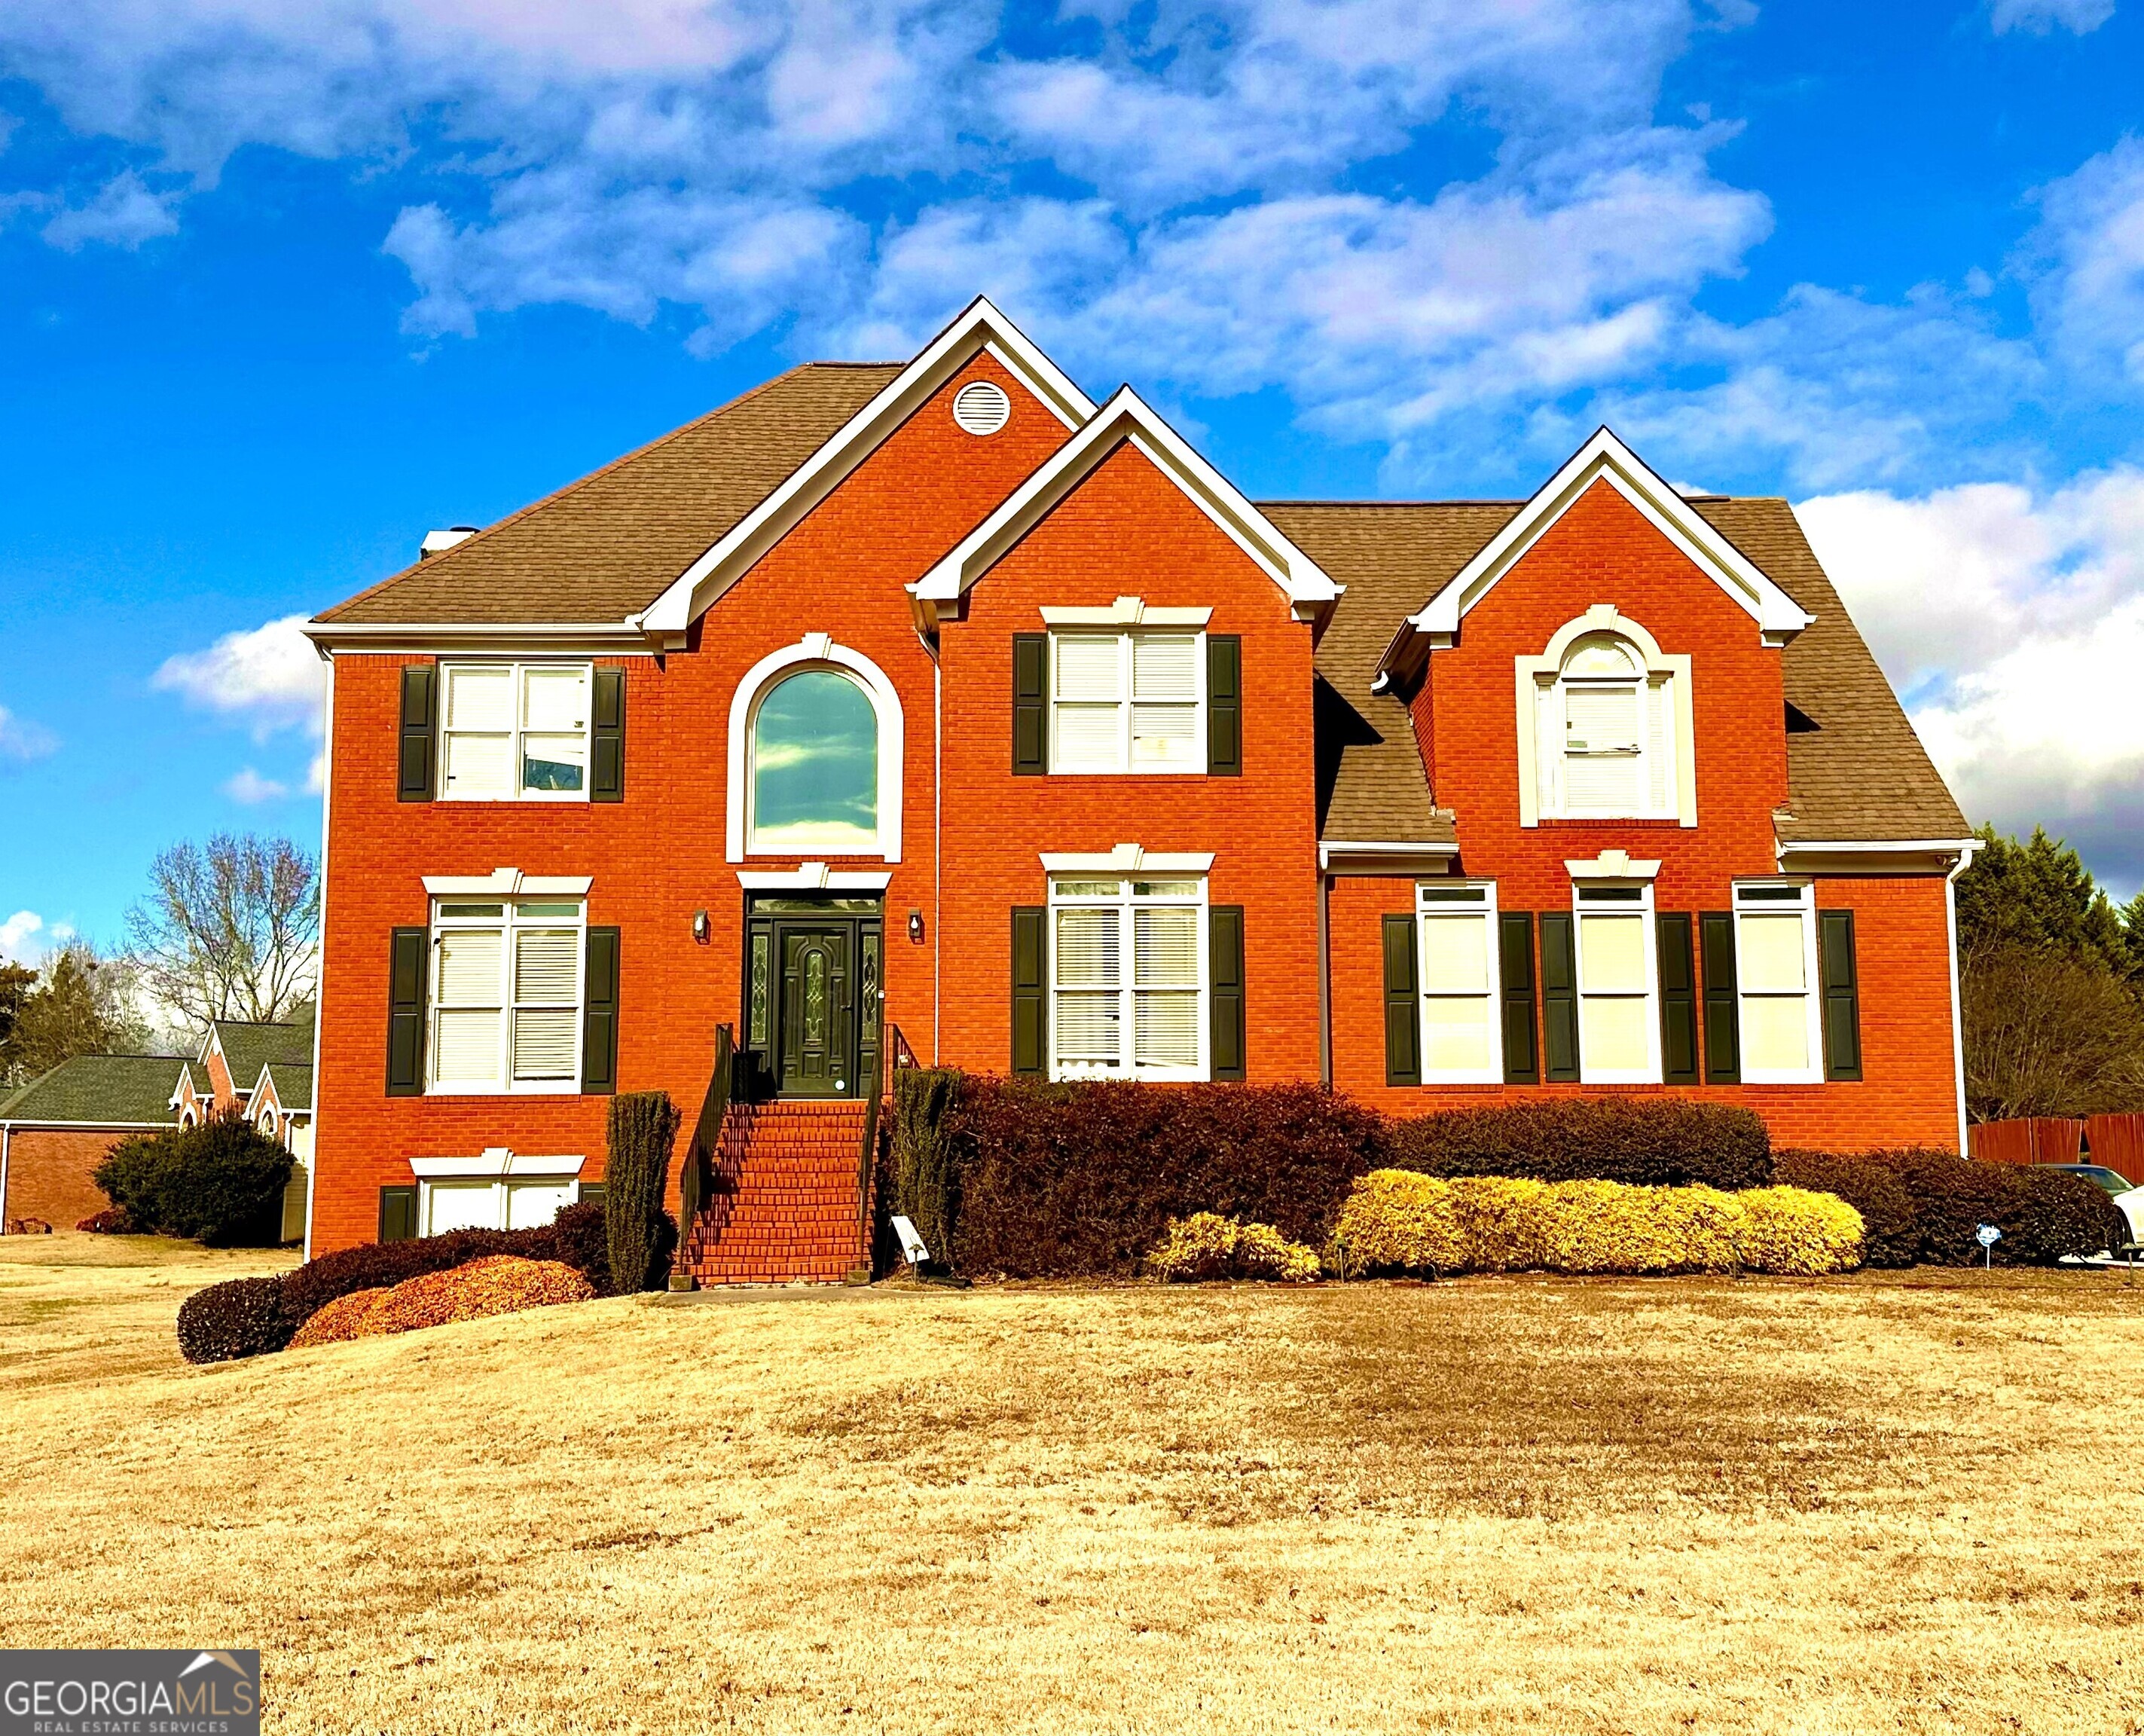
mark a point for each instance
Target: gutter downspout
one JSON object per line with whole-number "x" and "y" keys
{"x": 937, "y": 845}
{"x": 1324, "y": 977}
{"x": 320, "y": 975}
{"x": 1957, "y": 1010}
{"x": 7, "y": 1135}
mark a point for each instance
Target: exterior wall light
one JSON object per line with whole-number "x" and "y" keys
{"x": 700, "y": 926}
{"x": 915, "y": 927}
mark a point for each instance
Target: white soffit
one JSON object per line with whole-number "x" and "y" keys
{"x": 980, "y": 327}
{"x": 1127, "y": 417}
{"x": 1605, "y": 458}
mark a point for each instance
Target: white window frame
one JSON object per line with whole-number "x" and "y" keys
{"x": 1125, "y": 901}
{"x": 814, "y": 649}
{"x": 1126, "y": 701}
{"x": 1769, "y": 900}
{"x": 519, "y": 671}
{"x": 447, "y": 919}
{"x": 500, "y": 1171}
{"x": 1663, "y": 682}
{"x": 1445, "y": 899}
{"x": 1612, "y": 897}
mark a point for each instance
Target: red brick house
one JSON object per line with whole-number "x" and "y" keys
{"x": 933, "y": 708}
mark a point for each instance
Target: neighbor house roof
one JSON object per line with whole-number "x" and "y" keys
{"x": 607, "y": 546}
{"x": 1859, "y": 775}
{"x": 293, "y": 1083}
{"x": 97, "y": 1091}
{"x": 248, "y": 1048}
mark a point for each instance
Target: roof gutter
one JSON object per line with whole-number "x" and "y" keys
{"x": 619, "y": 638}
{"x": 1350, "y": 856}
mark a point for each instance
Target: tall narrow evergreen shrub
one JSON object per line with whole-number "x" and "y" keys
{"x": 643, "y": 1126}
{"x": 926, "y": 1181}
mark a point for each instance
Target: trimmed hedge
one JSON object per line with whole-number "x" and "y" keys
{"x": 221, "y": 1183}
{"x": 1081, "y": 1180}
{"x": 1643, "y": 1141}
{"x": 2044, "y": 1215}
{"x": 644, "y": 1127}
{"x": 1875, "y": 1186}
{"x": 924, "y": 1186}
{"x": 497, "y": 1284}
{"x": 240, "y": 1317}
{"x": 1400, "y": 1220}
{"x": 1205, "y": 1246}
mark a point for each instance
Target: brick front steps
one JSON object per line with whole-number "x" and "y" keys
{"x": 784, "y": 1206}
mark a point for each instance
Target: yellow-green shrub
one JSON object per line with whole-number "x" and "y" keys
{"x": 1397, "y": 1220}
{"x": 1206, "y": 1245}
{"x": 1797, "y": 1233}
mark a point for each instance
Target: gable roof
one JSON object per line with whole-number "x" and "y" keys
{"x": 1860, "y": 776}
{"x": 1604, "y": 458}
{"x": 292, "y": 1084}
{"x": 1128, "y": 418}
{"x": 606, "y": 547}
{"x": 98, "y": 1090}
{"x": 247, "y": 1048}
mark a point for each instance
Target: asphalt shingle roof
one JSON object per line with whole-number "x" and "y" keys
{"x": 247, "y": 1048}
{"x": 99, "y": 1090}
{"x": 294, "y": 1083}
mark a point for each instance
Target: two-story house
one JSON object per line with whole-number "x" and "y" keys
{"x": 932, "y": 707}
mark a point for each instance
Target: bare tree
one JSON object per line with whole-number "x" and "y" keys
{"x": 230, "y": 932}
{"x": 2048, "y": 1034}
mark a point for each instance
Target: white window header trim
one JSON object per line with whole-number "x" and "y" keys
{"x": 1125, "y": 612}
{"x": 1128, "y": 858}
{"x": 1612, "y": 865}
{"x": 493, "y": 1161}
{"x": 509, "y": 882}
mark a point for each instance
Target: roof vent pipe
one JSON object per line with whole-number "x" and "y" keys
{"x": 438, "y": 542}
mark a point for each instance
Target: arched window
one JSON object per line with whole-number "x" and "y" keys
{"x": 1604, "y": 718}
{"x": 815, "y": 754}
{"x": 815, "y": 766}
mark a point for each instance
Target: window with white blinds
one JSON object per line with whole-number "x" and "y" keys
{"x": 455, "y": 1204}
{"x": 1775, "y": 976}
{"x": 1128, "y": 702}
{"x": 512, "y": 731}
{"x": 506, "y": 994}
{"x": 1606, "y": 736}
{"x": 1462, "y": 1043}
{"x": 1619, "y": 1026}
{"x": 1128, "y": 978}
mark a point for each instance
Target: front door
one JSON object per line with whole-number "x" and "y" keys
{"x": 817, "y": 1017}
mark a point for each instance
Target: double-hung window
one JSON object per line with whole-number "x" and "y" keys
{"x": 1127, "y": 702}
{"x": 507, "y": 994}
{"x": 1606, "y": 736}
{"x": 487, "y": 1205}
{"x": 1128, "y": 978}
{"x": 513, "y": 731}
{"x": 1460, "y": 1041}
{"x": 1619, "y": 1026}
{"x": 1775, "y": 975}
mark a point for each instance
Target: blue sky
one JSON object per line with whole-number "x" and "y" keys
{"x": 285, "y": 286}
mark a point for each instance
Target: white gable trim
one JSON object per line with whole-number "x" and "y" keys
{"x": 980, "y": 327}
{"x": 1127, "y": 417}
{"x": 1605, "y": 458}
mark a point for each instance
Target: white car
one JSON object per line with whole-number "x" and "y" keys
{"x": 2130, "y": 1200}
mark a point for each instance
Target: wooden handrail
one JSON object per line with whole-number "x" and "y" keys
{"x": 703, "y": 1156}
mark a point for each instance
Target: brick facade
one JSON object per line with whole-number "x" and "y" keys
{"x": 48, "y": 1173}
{"x": 973, "y": 832}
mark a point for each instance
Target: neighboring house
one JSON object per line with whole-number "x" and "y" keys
{"x": 58, "y": 1128}
{"x": 932, "y": 707}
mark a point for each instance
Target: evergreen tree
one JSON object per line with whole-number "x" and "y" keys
{"x": 79, "y": 1009}
{"x": 2039, "y": 896}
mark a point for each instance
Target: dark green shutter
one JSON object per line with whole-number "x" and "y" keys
{"x": 1403, "y": 1004}
{"x": 1030, "y": 687}
{"x": 1841, "y": 994}
{"x": 1224, "y": 705}
{"x": 1678, "y": 999}
{"x": 1723, "y": 1014}
{"x": 1516, "y": 953}
{"x": 1559, "y": 980}
{"x": 398, "y": 1214}
{"x": 420, "y": 692}
{"x": 599, "y": 1014}
{"x": 606, "y": 771}
{"x": 1224, "y": 963}
{"x": 409, "y": 954}
{"x": 1031, "y": 991}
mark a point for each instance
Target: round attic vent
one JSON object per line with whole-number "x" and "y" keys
{"x": 981, "y": 407}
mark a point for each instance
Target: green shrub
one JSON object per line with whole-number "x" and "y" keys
{"x": 1205, "y": 1246}
{"x": 242, "y": 1317}
{"x": 1080, "y": 1180}
{"x": 1397, "y": 1220}
{"x": 644, "y": 1127}
{"x": 1644, "y": 1141}
{"x": 1927, "y": 1206}
{"x": 926, "y": 1181}
{"x": 221, "y": 1182}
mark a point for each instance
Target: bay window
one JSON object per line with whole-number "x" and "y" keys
{"x": 1127, "y": 702}
{"x": 507, "y": 994}
{"x": 512, "y": 731}
{"x": 1618, "y": 1027}
{"x": 1775, "y": 972}
{"x": 1128, "y": 978}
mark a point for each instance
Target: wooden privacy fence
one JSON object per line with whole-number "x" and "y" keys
{"x": 2116, "y": 1141}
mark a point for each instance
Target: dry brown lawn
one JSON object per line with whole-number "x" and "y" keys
{"x": 1881, "y": 1505}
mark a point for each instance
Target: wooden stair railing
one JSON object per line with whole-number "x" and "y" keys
{"x": 703, "y": 1156}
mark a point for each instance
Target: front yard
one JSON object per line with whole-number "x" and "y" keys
{"x": 1901, "y": 1502}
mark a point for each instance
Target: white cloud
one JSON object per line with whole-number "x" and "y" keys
{"x": 17, "y": 942}
{"x": 125, "y": 213}
{"x": 2089, "y": 250}
{"x": 2015, "y": 625}
{"x": 21, "y": 740}
{"x": 268, "y": 676}
{"x": 249, "y": 787}
{"x": 2039, "y": 17}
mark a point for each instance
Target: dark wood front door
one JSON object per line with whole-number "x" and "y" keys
{"x": 817, "y": 1017}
